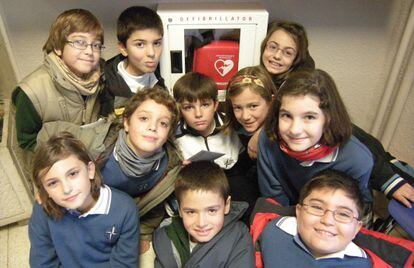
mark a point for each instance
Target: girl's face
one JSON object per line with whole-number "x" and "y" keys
{"x": 250, "y": 109}
{"x": 148, "y": 127}
{"x": 81, "y": 61}
{"x": 301, "y": 121}
{"x": 68, "y": 183}
{"x": 279, "y": 53}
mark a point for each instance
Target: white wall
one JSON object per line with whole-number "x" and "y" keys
{"x": 353, "y": 40}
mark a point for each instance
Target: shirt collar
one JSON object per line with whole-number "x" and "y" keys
{"x": 326, "y": 159}
{"x": 102, "y": 205}
{"x": 289, "y": 225}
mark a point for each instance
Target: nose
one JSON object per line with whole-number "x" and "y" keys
{"x": 88, "y": 50}
{"x": 201, "y": 222}
{"x": 66, "y": 187}
{"x": 296, "y": 127}
{"x": 245, "y": 115}
{"x": 152, "y": 126}
{"x": 328, "y": 218}
{"x": 198, "y": 112}
{"x": 150, "y": 51}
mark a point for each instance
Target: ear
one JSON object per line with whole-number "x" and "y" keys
{"x": 227, "y": 205}
{"x": 298, "y": 210}
{"x": 216, "y": 103}
{"x": 122, "y": 49}
{"x": 357, "y": 228}
{"x": 58, "y": 52}
{"x": 126, "y": 125}
{"x": 91, "y": 170}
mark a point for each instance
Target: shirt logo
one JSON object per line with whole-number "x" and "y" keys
{"x": 111, "y": 233}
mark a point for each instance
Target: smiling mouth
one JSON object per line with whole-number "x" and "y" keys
{"x": 203, "y": 232}
{"x": 71, "y": 198}
{"x": 325, "y": 233}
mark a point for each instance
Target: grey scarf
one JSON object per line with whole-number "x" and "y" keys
{"x": 131, "y": 164}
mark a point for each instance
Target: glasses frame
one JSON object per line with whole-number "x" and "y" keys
{"x": 334, "y": 213}
{"x": 284, "y": 50}
{"x": 76, "y": 45}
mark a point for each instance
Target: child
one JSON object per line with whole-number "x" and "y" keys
{"x": 284, "y": 51}
{"x": 142, "y": 163}
{"x": 62, "y": 93}
{"x": 328, "y": 217}
{"x": 249, "y": 94}
{"x": 207, "y": 233}
{"x": 201, "y": 129}
{"x": 308, "y": 130}
{"x": 139, "y": 33}
{"x": 80, "y": 221}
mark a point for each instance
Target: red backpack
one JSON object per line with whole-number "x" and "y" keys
{"x": 384, "y": 250}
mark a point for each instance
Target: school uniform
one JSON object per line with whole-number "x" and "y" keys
{"x": 105, "y": 236}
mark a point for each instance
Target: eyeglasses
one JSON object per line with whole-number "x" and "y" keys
{"x": 286, "y": 52}
{"x": 82, "y": 45}
{"x": 341, "y": 215}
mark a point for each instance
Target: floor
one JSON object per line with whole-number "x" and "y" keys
{"x": 14, "y": 246}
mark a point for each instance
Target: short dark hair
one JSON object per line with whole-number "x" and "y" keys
{"x": 59, "y": 147}
{"x": 195, "y": 86}
{"x": 297, "y": 32}
{"x": 137, "y": 18}
{"x": 335, "y": 180}
{"x": 338, "y": 127}
{"x": 160, "y": 96}
{"x": 202, "y": 176}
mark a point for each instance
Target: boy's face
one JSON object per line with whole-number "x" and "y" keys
{"x": 148, "y": 127}
{"x": 143, "y": 50}
{"x": 323, "y": 234}
{"x": 68, "y": 183}
{"x": 203, "y": 214}
{"x": 199, "y": 115}
{"x": 80, "y": 62}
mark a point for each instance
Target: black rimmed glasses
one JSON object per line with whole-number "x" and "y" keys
{"x": 82, "y": 45}
{"x": 341, "y": 215}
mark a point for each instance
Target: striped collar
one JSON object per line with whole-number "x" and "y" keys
{"x": 102, "y": 205}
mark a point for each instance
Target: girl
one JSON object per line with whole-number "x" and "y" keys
{"x": 80, "y": 221}
{"x": 249, "y": 94}
{"x": 308, "y": 130}
{"x": 142, "y": 163}
{"x": 62, "y": 93}
{"x": 285, "y": 49}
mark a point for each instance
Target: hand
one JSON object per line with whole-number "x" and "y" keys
{"x": 252, "y": 145}
{"x": 405, "y": 194}
{"x": 185, "y": 162}
{"x": 144, "y": 246}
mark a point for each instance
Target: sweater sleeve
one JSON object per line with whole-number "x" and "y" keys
{"x": 42, "y": 250}
{"x": 126, "y": 251}
{"x": 383, "y": 178}
{"x": 28, "y": 121}
{"x": 269, "y": 184}
{"x": 242, "y": 254}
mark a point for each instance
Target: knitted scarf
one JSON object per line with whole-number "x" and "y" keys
{"x": 60, "y": 71}
{"x": 179, "y": 236}
{"x": 131, "y": 164}
{"x": 311, "y": 154}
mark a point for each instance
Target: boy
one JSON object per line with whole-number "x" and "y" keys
{"x": 328, "y": 217}
{"x": 201, "y": 129}
{"x": 139, "y": 32}
{"x": 207, "y": 233}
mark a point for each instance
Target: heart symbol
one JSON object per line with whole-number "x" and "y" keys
{"x": 223, "y": 67}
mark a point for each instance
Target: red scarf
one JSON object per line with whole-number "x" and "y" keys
{"x": 313, "y": 153}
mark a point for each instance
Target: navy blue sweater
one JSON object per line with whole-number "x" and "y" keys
{"x": 282, "y": 177}
{"x": 99, "y": 240}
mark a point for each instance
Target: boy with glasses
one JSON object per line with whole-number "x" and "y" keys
{"x": 328, "y": 217}
{"x": 62, "y": 94}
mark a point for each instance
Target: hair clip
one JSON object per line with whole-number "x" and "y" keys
{"x": 248, "y": 79}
